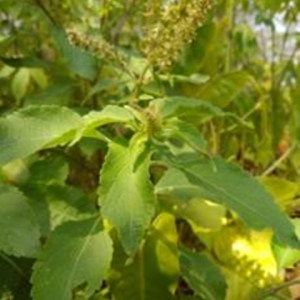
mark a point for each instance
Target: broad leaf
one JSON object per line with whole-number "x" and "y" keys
{"x": 67, "y": 203}
{"x": 18, "y": 226}
{"x": 78, "y": 61}
{"x": 177, "y": 106}
{"x": 154, "y": 271}
{"x": 76, "y": 253}
{"x": 202, "y": 275}
{"x": 56, "y": 204}
{"x": 187, "y": 133}
{"x": 126, "y": 195}
{"x": 110, "y": 114}
{"x": 226, "y": 184}
{"x": 33, "y": 128}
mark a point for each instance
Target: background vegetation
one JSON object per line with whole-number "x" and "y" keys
{"x": 163, "y": 99}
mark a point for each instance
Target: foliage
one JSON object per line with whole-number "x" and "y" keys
{"x": 131, "y": 133}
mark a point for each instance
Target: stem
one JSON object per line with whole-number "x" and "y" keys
{"x": 273, "y": 291}
{"x": 46, "y": 12}
{"x": 139, "y": 82}
{"x": 126, "y": 16}
{"x": 230, "y": 14}
{"x": 283, "y": 157}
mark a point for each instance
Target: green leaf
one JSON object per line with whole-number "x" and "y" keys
{"x": 177, "y": 106}
{"x": 27, "y": 62}
{"x": 6, "y": 71}
{"x": 76, "y": 253}
{"x": 67, "y": 203}
{"x": 222, "y": 90}
{"x": 110, "y": 114}
{"x": 187, "y": 133}
{"x": 20, "y": 83}
{"x": 49, "y": 169}
{"x": 286, "y": 256}
{"x": 202, "y": 275}
{"x": 126, "y": 194}
{"x": 154, "y": 271}
{"x": 39, "y": 76}
{"x": 34, "y": 128}
{"x": 80, "y": 62}
{"x": 56, "y": 204}
{"x": 103, "y": 85}
{"x": 202, "y": 215}
{"x": 281, "y": 189}
{"x": 238, "y": 287}
{"x": 226, "y": 184}
{"x": 18, "y": 226}
{"x": 197, "y": 79}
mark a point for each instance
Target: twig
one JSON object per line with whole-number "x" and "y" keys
{"x": 46, "y": 12}
{"x": 273, "y": 291}
{"x": 283, "y": 157}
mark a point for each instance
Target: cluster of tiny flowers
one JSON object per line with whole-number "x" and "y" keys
{"x": 97, "y": 47}
{"x": 176, "y": 27}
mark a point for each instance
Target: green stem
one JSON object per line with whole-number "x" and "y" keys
{"x": 230, "y": 16}
{"x": 280, "y": 160}
{"x": 273, "y": 291}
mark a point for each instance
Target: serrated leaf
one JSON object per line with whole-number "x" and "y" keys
{"x": 286, "y": 256}
{"x": 20, "y": 83}
{"x": 202, "y": 275}
{"x": 177, "y": 106}
{"x": 226, "y": 184}
{"x": 154, "y": 271}
{"x": 76, "y": 253}
{"x": 33, "y": 128}
{"x": 110, "y": 114}
{"x": 126, "y": 194}
{"x": 56, "y": 204}
{"x": 18, "y": 226}
{"x": 67, "y": 203}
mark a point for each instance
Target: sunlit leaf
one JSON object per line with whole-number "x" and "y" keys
{"x": 154, "y": 271}
{"x": 20, "y": 83}
{"x": 226, "y": 184}
{"x": 33, "y": 128}
{"x": 286, "y": 256}
{"x": 126, "y": 195}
